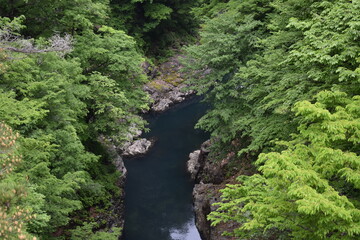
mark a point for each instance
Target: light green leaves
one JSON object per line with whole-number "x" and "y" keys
{"x": 307, "y": 191}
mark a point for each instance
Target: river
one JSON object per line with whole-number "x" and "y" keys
{"x": 158, "y": 200}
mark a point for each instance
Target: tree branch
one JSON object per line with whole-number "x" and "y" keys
{"x": 13, "y": 43}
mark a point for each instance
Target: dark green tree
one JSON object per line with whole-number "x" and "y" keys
{"x": 155, "y": 24}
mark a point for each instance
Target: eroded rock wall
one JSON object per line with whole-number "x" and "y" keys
{"x": 210, "y": 177}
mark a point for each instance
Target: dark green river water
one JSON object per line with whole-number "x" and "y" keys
{"x": 158, "y": 201}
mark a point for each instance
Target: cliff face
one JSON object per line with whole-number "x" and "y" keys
{"x": 208, "y": 177}
{"x": 115, "y": 215}
{"x": 211, "y": 176}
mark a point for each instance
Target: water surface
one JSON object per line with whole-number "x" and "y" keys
{"x": 158, "y": 201}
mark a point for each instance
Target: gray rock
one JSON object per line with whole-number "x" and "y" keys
{"x": 202, "y": 208}
{"x": 134, "y": 131}
{"x": 176, "y": 96}
{"x": 162, "y": 105}
{"x": 210, "y": 171}
{"x": 205, "y": 147}
{"x": 205, "y": 195}
{"x": 117, "y": 208}
{"x": 112, "y": 150}
{"x": 193, "y": 164}
{"x": 167, "y": 88}
{"x": 210, "y": 178}
{"x": 162, "y": 101}
{"x": 137, "y": 147}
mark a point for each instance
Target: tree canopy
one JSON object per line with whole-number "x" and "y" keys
{"x": 74, "y": 80}
{"x": 283, "y": 79}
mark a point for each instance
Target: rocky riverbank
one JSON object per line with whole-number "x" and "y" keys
{"x": 116, "y": 216}
{"x": 166, "y": 89}
{"x": 210, "y": 176}
{"x": 167, "y": 86}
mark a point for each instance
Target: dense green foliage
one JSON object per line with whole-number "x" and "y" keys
{"x": 13, "y": 212}
{"x": 71, "y": 74}
{"x": 52, "y": 121}
{"x": 258, "y": 58}
{"x": 61, "y": 103}
{"x": 275, "y": 67}
{"x": 157, "y": 24}
{"x": 309, "y": 190}
{"x": 275, "y": 71}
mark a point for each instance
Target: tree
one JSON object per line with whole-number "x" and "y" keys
{"x": 156, "y": 25}
{"x": 229, "y": 40}
{"x": 289, "y": 52}
{"x": 11, "y": 41}
{"x": 86, "y": 232}
{"x": 60, "y": 102}
{"x": 112, "y": 69}
{"x": 45, "y": 17}
{"x": 309, "y": 190}
{"x": 13, "y": 215}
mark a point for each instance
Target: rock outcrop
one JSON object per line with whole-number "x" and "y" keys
{"x": 165, "y": 98}
{"x": 115, "y": 156}
{"x": 167, "y": 86}
{"x": 205, "y": 195}
{"x": 116, "y": 218}
{"x": 193, "y": 164}
{"x": 209, "y": 171}
{"x": 202, "y": 208}
{"x": 209, "y": 178}
{"x": 134, "y": 145}
{"x": 137, "y": 147}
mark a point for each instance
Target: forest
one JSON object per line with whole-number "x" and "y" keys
{"x": 282, "y": 78}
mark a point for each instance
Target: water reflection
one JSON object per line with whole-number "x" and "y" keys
{"x": 187, "y": 232}
{"x": 158, "y": 202}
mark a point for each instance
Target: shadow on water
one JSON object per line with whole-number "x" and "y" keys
{"x": 158, "y": 201}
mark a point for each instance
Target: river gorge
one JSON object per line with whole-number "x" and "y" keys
{"x": 158, "y": 190}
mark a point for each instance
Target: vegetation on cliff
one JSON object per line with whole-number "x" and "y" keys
{"x": 69, "y": 74}
{"x": 283, "y": 78}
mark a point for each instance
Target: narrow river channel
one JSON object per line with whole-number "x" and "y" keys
{"x": 158, "y": 201}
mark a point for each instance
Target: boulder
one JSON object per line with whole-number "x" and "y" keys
{"x": 193, "y": 164}
{"x": 137, "y": 147}
{"x": 162, "y": 105}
